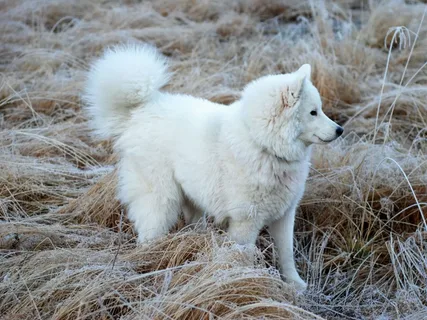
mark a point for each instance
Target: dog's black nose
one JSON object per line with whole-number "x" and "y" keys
{"x": 339, "y": 131}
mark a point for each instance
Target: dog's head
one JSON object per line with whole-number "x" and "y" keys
{"x": 285, "y": 111}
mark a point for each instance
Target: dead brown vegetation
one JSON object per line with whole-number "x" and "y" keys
{"x": 67, "y": 249}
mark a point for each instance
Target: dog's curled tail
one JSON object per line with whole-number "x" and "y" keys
{"x": 125, "y": 77}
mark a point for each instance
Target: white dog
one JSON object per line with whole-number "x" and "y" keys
{"x": 245, "y": 164}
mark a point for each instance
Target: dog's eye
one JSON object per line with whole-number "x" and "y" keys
{"x": 313, "y": 113}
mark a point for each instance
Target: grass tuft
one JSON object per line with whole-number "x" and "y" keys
{"x": 68, "y": 250}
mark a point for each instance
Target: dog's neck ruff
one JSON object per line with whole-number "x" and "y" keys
{"x": 283, "y": 159}
{"x": 290, "y": 154}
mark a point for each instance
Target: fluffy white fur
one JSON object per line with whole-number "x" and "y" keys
{"x": 245, "y": 164}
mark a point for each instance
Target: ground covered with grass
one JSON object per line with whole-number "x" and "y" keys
{"x": 67, "y": 249}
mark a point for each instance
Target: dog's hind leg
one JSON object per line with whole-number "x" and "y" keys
{"x": 153, "y": 215}
{"x": 154, "y": 200}
{"x": 282, "y": 231}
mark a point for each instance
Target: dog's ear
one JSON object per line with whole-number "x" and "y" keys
{"x": 305, "y": 71}
{"x": 292, "y": 93}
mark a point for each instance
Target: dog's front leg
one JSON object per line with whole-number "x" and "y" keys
{"x": 282, "y": 231}
{"x": 243, "y": 231}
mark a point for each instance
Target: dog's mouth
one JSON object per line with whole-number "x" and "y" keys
{"x": 324, "y": 141}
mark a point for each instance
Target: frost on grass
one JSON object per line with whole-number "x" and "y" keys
{"x": 68, "y": 250}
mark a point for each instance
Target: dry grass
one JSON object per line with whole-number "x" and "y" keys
{"x": 67, "y": 249}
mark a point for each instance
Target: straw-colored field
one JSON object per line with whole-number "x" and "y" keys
{"x": 67, "y": 249}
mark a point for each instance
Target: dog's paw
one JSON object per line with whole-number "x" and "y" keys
{"x": 299, "y": 284}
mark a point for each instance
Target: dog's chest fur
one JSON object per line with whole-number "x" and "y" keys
{"x": 264, "y": 194}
